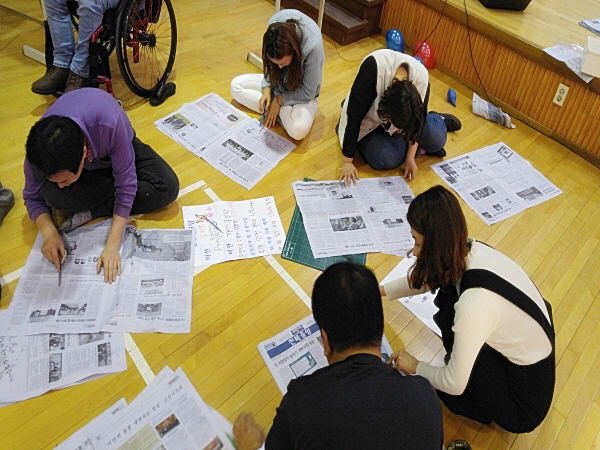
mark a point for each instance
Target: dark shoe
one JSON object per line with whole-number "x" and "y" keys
{"x": 53, "y": 81}
{"x": 7, "y": 201}
{"x": 75, "y": 82}
{"x": 459, "y": 444}
{"x": 440, "y": 153}
{"x": 452, "y": 122}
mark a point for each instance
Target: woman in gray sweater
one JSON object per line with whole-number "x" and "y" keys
{"x": 293, "y": 60}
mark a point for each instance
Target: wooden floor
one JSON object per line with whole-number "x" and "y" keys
{"x": 239, "y": 304}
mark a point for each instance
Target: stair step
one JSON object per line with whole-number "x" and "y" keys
{"x": 332, "y": 16}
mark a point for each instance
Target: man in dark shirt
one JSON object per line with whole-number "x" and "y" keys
{"x": 357, "y": 402}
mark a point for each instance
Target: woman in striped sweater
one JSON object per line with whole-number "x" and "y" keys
{"x": 293, "y": 60}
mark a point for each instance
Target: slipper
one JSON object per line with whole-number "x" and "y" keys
{"x": 459, "y": 444}
{"x": 7, "y": 201}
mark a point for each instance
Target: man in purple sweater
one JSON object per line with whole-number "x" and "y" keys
{"x": 84, "y": 161}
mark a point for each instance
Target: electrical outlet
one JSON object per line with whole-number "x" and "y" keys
{"x": 561, "y": 93}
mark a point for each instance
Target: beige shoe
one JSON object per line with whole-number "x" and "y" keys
{"x": 53, "y": 81}
{"x": 75, "y": 82}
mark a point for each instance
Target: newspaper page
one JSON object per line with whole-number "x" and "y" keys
{"x": 227, "y": 231}
{"x": 34, "y": 365}
{"x": 248, "y": 153}
{"x": 153, "y": 292}
{"x": 226, "y": 138}
{"x": 496, "y": 182}
{"x": 572, "y": 56}
{"x": 82, "y": 438}
{"x": 198, "y": 123}
{"x": 168, "y": 414}
{"x": 420, "y": 305}
{"x": 298, "y": 351}
{"x": 368, "y": 217}
{"x": 40, "y": 305}
{"x": 155, "y": 288}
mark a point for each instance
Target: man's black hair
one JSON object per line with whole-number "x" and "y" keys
{"x": 54, "y": 144}
{"x": 346, "y": 303}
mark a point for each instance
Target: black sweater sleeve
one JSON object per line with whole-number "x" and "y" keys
{"x": 362, "y": 96}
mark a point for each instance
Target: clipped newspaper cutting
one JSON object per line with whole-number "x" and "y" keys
{"x": 226, "y": 138}
{"x": 421, "y": 305}
{"x": 298, "y": 351}
{"x": 153, "y": 293}
{"x": 496, "y": 182}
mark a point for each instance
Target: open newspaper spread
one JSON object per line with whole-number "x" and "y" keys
{"x": 368, "y": 217}
{"x": 226, "y": 138}
{"x": 153, "y": 293}
{"x": 496, "y": 182}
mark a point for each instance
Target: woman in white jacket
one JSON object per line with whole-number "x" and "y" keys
{"x": 496, "y": 327}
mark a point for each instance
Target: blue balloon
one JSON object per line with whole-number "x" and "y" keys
{"x": 451, "y": 96}
{"x": 419, "y": 59}
{"x": 394, "y": 39}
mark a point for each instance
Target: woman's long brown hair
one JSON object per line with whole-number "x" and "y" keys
{"x": 436, "y": 214}
{"x": 280, "y": 40}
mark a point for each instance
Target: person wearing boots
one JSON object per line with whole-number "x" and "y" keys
{"x": 70, "y": 69}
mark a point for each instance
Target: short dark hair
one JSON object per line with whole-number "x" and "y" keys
{"x": 346, "y": 303}
{"x": 54, "y": 144}
{"x": 280, "y": 40}
{"x": 402, "y": 105}
{"x": 437, "y": 215}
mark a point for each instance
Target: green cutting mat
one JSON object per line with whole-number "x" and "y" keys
{"x": 297, "y": 248}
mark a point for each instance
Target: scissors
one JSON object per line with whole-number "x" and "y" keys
{"x": 262, "y": 117}
{"x": 64, "y": 257}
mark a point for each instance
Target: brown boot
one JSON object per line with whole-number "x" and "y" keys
{"x": 54, "y": 80}
{"x": 75, "y": 82}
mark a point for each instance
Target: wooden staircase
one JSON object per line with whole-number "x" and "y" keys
{"x": 344, "y": 21}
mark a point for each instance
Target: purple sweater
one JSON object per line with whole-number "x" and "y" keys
{"x": 109, "y": 135}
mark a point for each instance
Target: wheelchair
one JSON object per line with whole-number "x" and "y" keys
{"x": 144, "y": 34}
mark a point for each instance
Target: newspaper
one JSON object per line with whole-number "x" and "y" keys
{"x": 34, "y": 365}
{"x": 572, "y": 56}
{"x": 227, "y": 231}
{"x": 298, "y": 351}
{"x": 368, "y": 217}
{"x": 153, "y": 293}
{"x": 82, "y": 439}
{"x": 229, "y": 140}
{"x": 168, "y": 414}
{"x": 490, "y": 112}
{"x": 592, "y": 25}
{"x": 496, "y": 182}
{"x": 420, "y": 305}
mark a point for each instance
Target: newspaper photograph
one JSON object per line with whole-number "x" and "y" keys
{"x": 298, "y": 351}
{"x": 153, "y": 292}
{"x": 368, "y": 217}
{"x": 168, "y": 414}
{"x": 226, "y": 231}
{"x": 34, "y": 365}
{"x": 420, "y": 305}
{"x": 496, "y": 182}
{"x": 198, "y": 123}
{"x": 229, "y": 140}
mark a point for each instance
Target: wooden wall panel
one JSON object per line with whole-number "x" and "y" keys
{"x": 521, "y": 83}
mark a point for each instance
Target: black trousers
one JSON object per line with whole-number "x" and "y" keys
{"x": 95, "y": 189}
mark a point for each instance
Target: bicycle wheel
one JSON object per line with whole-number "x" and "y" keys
{"x": 146, "y": 38}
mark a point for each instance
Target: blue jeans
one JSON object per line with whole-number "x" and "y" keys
{"x": 384, "y": 152}
{"x": 68, "y": 54}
